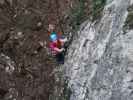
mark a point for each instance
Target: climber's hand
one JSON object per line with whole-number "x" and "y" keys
{"x": 62, "y": 49}
{"x": 66, "y": 39}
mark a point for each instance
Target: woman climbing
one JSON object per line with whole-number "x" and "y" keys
{"x": 56, "y": 44}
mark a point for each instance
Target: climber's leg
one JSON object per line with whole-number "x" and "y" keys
{"x": 60, "y": 58}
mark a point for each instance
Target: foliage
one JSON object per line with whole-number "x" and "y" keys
{"x": 78, "y": 14}
{"x": 97, "y": 9}
{"x": 129, "y": 21}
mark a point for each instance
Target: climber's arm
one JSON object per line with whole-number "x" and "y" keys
{"x": 58, "y": 50}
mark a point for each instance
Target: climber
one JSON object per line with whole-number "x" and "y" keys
{"x": 57, "y": 44}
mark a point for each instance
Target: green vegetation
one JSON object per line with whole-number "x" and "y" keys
{"x": 81, "y": 12}
{"x": 97, "y": 8}
{"x": 129, "y": 20}
{"x": 78, "y": 14}
{"x": 130, "y": 8}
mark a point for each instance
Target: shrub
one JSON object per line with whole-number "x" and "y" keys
{"x": 78, "y": 14}
{"x": 129, "y": 20}
{"x": 97, "y": 8}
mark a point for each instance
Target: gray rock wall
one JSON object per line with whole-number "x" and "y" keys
{"x": 99, "y": 64}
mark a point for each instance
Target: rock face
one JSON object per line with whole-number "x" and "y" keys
{"x": 99, "y": 64}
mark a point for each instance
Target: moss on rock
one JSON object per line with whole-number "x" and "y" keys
{"x": 129, "y": 20}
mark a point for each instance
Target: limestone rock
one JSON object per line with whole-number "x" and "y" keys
{"x": 100, "y": 60}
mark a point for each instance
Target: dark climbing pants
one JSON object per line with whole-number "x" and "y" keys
{"x": 60, "y": 58}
